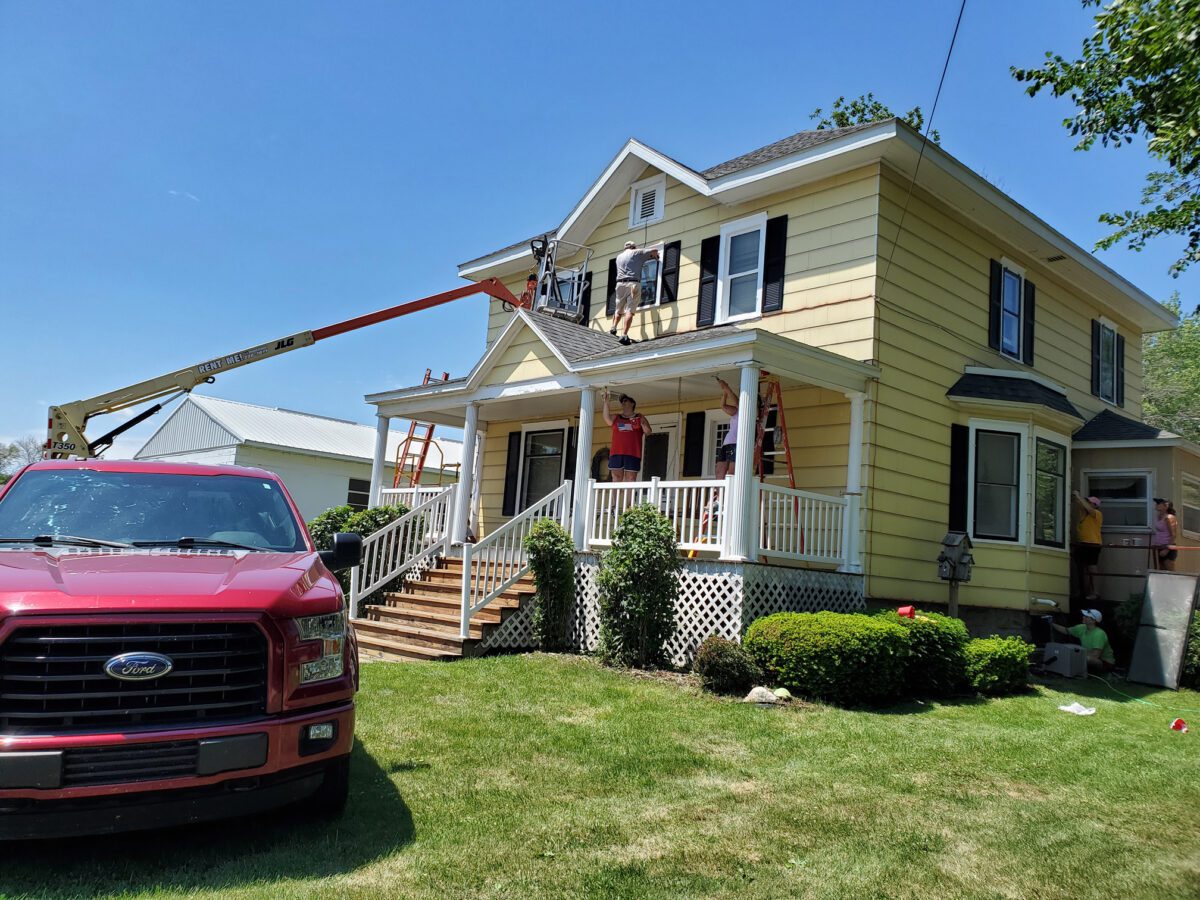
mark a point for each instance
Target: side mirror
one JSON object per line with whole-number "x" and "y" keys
{"x": 346, "y": 552}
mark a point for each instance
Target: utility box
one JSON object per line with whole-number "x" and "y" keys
{"x": 955, "y": 560}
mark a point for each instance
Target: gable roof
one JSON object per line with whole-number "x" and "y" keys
{"x": 1012, "y": 390}
{"x": 808, "y": 156}
{"x": 283, "y": 429}
{"x": 1109, "y": 426}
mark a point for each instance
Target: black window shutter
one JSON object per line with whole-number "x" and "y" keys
{"x": 994, "y": 305}
{"x": 1027, "y": 338}
{"x": 706, "y": 304}
{"x": 774, "y": 260}
{"x": 569, "y": 462}
{"x": 611, "y": 303}
{"x": 1120, "y": 393}
{"x": 670, "y": 272}
{"x": 585, "y": 299}
{"x": 511, "y": 474}
{"x": 693, "y": 444}
{"x": 1095, "y": 358}
{"x": 960, "y": 437}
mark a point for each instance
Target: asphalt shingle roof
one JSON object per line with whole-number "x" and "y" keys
{"x": 1011, "y": 390}
{"x": 1109, "y": 426}
{"x": 579, "y": 343}
{"x": 801, "y": 140}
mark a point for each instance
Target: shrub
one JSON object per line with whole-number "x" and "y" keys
{"x": 725, "y": 667}
{"x": 998, "y": 665}
{"x": 638, "y": 583}
{"x": 1190, "y": 675}
{"x": 846, "y": 658}
{"x": 552, "y": 560}
{"x": 362, "y": 522}
{"x": 1127, "y": 615}
{"x": 937, "y": 662}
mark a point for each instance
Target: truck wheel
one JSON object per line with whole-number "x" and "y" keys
{"x": 330, "y": 798}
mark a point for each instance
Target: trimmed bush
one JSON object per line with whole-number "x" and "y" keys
{"x": 1190, "y": 676}
{"x": 552, "y": 560}
{"x": 362, "y": 522}
{"x": 725, "y": 667}
{"x": 639, "y": 583}
{"x": 937, "y": 662}
{"x": 324, "y": 526}
{"x": 850, "y": 659}
{"x": 998, "y": 665}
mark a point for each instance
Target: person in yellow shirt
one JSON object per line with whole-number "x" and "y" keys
{"x": 1088, "y": 542}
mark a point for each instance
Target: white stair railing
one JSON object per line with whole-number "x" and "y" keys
{"x": 800, "y": 525}
{"x": 420, "y": 534}
{"x": 496, "y": 563}
{"x": 408, "y": 496}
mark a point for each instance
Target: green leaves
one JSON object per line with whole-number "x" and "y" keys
{"x": 998, "y": 665}
{"x": 1138, "y": 76}
{"x": 639, "y": 583}
{"x": 1171, "y": 363}
{"x": 865, "y": 109}
{"x": 552, "y": 560}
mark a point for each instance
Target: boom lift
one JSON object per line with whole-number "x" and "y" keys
{"x": 66, "y": 435}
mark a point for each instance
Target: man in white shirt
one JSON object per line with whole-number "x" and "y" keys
{"x": 629, "y": 286}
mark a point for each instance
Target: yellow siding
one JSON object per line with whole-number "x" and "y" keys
{"x": 526, "y": 359}
{"x": 818, "y": 429}
{"x": 829, "y": 274}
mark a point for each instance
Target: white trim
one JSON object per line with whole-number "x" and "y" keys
{"x": 1062, "y": 441}
{"x": 562, "y": 425}
{"x": 1184, "y": 478}
{"x": 1021, "y": 430}
{"x": 730, "y": 230}
{"x": 670, "y": 424}
{"x": 1016, "y": 373}
{"x": 659, "y": 184}
{"x": 712, "y": 418}
{"x": 1151, "y": 489}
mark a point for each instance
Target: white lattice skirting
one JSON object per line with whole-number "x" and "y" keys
{"x": 714, "y": 598}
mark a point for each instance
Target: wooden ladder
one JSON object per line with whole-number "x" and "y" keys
{"x": 414, "y": 449}
{"x": 772, "y": 403}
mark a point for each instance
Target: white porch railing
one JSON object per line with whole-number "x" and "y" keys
{"x": 409, "y": 496}
{"x": 798, "y": 525}
{"x": 419, "y": 534}
{"x": 694, "y": 508}
{"x": 494, "y": 564}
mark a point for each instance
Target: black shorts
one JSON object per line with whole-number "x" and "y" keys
{"x": 1166, "y": 555}
{"x": 727, "y": 453}
{"x": 1087, "y": 554}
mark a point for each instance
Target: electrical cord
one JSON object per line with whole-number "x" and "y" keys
{"x": 1140, "y": 700}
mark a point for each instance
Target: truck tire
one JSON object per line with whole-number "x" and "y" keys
{"x": 330, "y": 798}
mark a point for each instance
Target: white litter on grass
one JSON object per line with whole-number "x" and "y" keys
{"x": 1079, "y": 709}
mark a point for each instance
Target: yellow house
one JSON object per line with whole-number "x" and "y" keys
{"x": 936, "y": 346}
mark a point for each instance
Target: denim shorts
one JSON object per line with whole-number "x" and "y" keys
{"x": 624, "y": 463}
{"x": 727, "y": 453}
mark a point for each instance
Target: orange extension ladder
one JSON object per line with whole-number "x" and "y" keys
{"x": 414, "y": 449}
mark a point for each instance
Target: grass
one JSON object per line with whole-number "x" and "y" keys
{"x": 538, "y": 776}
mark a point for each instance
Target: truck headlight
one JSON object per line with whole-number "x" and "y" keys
{"x": 330, "y": 630}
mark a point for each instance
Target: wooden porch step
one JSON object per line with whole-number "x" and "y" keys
{"x": 372, "y": 646}
{"x": 420, "y": 616}
{"x": 454, "y": 589}
{"x": 454, "y": 603}
{"x": 444, "y": 642}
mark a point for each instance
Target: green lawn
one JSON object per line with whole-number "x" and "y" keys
{"x": 531, "y": 776}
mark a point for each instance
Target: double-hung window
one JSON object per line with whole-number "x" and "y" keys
{"x": 1190, "y": 497}
{"x": 652, "y": 270}
{"x": 358, "y": 493}
{"x": 740, "y": 278}
{"x": 1010, "y": 313}
{"x": 997, "y": 485}
{"x": 1124, "y": 497}
{"x": 1108, "y": 362}
{"x": 1049, "y": 493}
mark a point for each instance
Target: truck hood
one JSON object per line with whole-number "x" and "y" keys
{"x": 65, "y": 580}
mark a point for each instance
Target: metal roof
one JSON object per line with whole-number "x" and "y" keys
{"x": 190, "y": 428}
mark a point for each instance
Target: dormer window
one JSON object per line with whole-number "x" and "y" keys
{"x": 647, "y": 201}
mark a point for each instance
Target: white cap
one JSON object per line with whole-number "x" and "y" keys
{"x": 630, "y": 245}
{"x": 1093, "y": 614}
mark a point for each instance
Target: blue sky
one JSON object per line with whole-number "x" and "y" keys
{"x": 179, "y": 180}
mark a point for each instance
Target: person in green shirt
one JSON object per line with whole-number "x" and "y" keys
{"x": 1094, "y": 640}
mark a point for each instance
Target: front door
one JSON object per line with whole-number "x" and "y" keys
{"x": 542, "y": 464}
{"x": 660, "y": 449}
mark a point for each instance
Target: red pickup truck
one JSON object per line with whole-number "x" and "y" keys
{"x": 172, "y": 649}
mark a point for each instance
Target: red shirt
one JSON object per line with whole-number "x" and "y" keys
{"x": 627, "y": 436}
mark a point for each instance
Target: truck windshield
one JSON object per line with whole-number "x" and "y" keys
{"x": 150, "y": 508}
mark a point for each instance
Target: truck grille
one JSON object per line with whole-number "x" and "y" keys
{"x": 52, "y": 678}
{"x": 130, "y": 763}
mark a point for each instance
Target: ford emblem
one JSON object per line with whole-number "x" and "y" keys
{"x": 138, "y": 666}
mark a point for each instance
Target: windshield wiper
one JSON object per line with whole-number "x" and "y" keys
{"x": 71, "y": 540}
{"x": 186, "y": 542}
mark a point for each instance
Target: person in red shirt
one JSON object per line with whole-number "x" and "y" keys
{"x": 625, "y": 451}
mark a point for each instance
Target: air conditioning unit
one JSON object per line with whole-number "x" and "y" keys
{"x": 1067, "y": 660}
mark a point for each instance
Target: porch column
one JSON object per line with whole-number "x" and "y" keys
{"x": 466, "y": 480}
{"x": 854, "y": 456}
{"x": 473, "y": 514}
{"x": 583, "y": 466}
{"x": 378, "y": 460}
{"x": 742, "y": 533}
